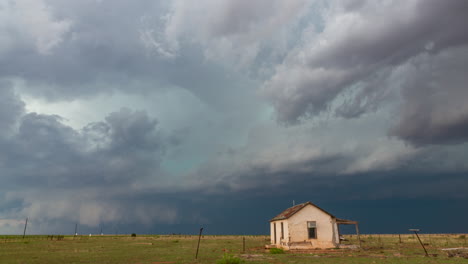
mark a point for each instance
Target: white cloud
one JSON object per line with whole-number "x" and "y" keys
{"x": 234, "y": 32}
{"x": 32, "y": 21}
{"x": 154, "y": 39}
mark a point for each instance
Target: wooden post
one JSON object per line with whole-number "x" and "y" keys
{"x": 198, "y": 246}
{"x": 399, "y": 238}
{"x": 420, "y": 242}
{"x": 358, "y": 235}
{"x": 25, "y": 225}
{"x": 243, "y": 244}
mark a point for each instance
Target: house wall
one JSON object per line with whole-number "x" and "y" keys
{"x": 336, "y": 233}
{"x": 279, "y": 241}
{"x": 272, "y": 233}
{"x": 327, "y": 232}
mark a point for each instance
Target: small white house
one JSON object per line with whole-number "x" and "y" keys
{"x": 306, "y": 226}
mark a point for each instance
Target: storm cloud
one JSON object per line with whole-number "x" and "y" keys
{"x": 60, "y": 170}
{"x": 347, "y": 65}
{"x": 162, "y": 116}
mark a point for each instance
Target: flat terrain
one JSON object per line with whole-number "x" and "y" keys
{"x": 145, "y": 249}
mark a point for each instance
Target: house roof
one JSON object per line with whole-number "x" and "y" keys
{"x": 292, "y": 210}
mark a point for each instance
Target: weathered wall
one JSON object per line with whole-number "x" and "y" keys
{"x": 327, "y": 235}
{"x": 285, "y": 239}
{"x": 279, "y": 240}
{"x": 272, "y": 233}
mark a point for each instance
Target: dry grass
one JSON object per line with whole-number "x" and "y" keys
{"x": 181, "y": 249}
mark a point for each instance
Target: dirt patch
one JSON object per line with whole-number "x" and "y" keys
{"x": 456, "y": 252}
{"x": 254, "y": 256}
{"x": 250, "y": 256}
{"x": 316, "y": 251}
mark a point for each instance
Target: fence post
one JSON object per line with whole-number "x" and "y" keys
{"x": 25, "y": 225}
{"x": 420, "y": 242}
{"x": 76, "y": 231}
{"x": 199, "y": 238}
{"x": 243, "y": 244}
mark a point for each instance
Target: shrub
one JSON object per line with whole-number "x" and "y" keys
{"x": 229, "y": 259}
{"x": 276, "y": 251}
{"x": 133, "y": 235}
{"x": 462, "y": 237}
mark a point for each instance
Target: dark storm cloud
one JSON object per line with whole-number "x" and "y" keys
{"x": 435, "y": 93}
{"x": 75, "y": 50}
{"x": 361, "y": 173}
{"x": 414, "y": 185}
{"x": 348, "y": 66}
{"x": 124, "y": 148}
{"x": 259, "y": 176}
{"x": 11, "y": 107}
{"x": 51, "y": 171}
{"x": 97, "y": 47}
{"x": 99, "y": 52}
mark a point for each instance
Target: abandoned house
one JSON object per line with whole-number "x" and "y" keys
{"x": 306, "y": 226}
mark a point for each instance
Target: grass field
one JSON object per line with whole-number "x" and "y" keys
{"x": 145, "y": 249}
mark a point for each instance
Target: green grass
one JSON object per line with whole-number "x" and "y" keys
{"x": 146, "y": 249}
{"x": 276, "y": 251}
{"x": 229, "y": 259}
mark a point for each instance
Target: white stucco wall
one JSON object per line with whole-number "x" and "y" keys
{"x": 279, "y": 240}
{"x": 326, "y": 227}
{"x": 285, "y": 238}
{"x": 272, "y": 233}
{"x": 296, "y": 232}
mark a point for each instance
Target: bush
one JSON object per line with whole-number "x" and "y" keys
{"x": 133, "y": 235}
{"x": 229, "y": 259}
{"x": 276, "y": 251}
{"x": 462, "y": 237}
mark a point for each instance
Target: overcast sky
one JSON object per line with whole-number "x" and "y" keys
{"x": 165, "y": 116}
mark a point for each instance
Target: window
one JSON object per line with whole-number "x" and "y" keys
{"x": 282, "y": 231}
{"x": 312, "y": 228}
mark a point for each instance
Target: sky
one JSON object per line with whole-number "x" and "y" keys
{"x": 162, "y": 117}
